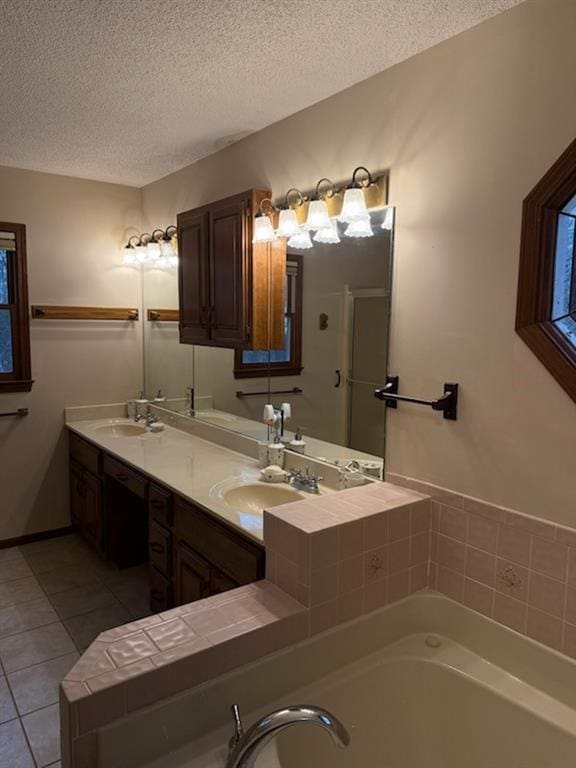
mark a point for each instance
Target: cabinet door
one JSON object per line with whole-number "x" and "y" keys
{"x": 191, "y": 575}
{"x": 230, "y": 273}
{"x": 160, "y": 591}
{"x": 92, "y": 510}
{"x": 86, "y": 504}
{"x": 76, "y": 496}
{"x": 193, "y": 277}
{"x": 219, "y": 582}
{"x": 160, "y": 545}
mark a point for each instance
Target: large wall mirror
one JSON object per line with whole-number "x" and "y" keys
{"x": 336, "y": 347}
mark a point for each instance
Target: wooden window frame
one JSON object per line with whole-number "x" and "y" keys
{"x": 20, "y": 378}
{"x": 534, "y": 324}
{"x": 293, "y": 367}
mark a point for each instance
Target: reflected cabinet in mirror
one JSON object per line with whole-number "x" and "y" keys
{"x": 331, "y": 356}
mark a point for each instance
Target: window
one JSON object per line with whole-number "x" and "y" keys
{"x": 15, "y": 374}
{"x": 564, "y": 285}
{"x": 288, "y": 360}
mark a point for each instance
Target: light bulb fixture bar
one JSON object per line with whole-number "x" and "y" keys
{"x": 309, "y": 219}
{"x": 158, "y": 249}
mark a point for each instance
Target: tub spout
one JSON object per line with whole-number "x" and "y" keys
{"x": 246, "y": 746}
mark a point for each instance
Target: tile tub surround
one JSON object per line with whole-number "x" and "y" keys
{"x": 359, "y": 550}
{"x": 516, "y": 569}
{"x": 349, "y": 554}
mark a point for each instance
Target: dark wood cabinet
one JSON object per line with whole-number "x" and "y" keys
{"x": 193, "y": 277}
{"x": 86, "y": 494}
{"x": 209, "y": 556}
{"x": 160, "y": 545}
{"x": 160, "y": 591}
{"x": 129, "y": 519}
{"x": 196, "y": 578}
{"x": 228, "y": 287}
{"x": 191, "y": 575}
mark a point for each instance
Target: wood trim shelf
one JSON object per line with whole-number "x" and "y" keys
{"x": 55, "y": 312}
{"x": 162, "y": 315}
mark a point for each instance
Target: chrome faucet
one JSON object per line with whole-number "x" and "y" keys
{"x": 151, "y": 419}
{"x": 245, "y": 747}
{"x": 303, "y": 482}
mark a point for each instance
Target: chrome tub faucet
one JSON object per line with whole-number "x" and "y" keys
{"x": 245, "y": 746}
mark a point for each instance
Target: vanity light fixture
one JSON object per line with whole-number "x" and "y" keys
{"x": 263, "y": 227}
{"x": 354, "y": 205}
{"x": 158, "y": 249}
{"x": 328, "y": 235}
{"x": 287, "y": 220}
{"x": 318, "y": 217}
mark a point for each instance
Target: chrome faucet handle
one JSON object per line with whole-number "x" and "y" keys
{"x": 238, "y": 727}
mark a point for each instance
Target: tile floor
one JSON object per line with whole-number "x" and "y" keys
{"x": 56, "y": 596}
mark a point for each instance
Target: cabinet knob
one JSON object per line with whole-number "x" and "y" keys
{"x": 157, "y": 547}
{"x": 121, "y": 477}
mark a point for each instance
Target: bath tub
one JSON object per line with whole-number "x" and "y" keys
{"x": 414, "y": 705}
{"x": 475, "y": 695}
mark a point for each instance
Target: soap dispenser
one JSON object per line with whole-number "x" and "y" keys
{"x": 276, "y": 452}
{"x": 141, "y": 406}
{"x": 297, "y": 444}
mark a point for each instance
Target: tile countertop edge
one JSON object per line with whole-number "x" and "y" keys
{"x": 80, "y": 428}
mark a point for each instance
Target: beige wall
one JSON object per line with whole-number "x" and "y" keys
{"x": 74, "y": 229}
{"x": 466, "y": 128}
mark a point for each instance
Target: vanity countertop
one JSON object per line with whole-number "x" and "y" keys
{"x": 190, "y": 466}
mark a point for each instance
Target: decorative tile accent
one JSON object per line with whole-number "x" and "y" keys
{"x": 512, "y": 580}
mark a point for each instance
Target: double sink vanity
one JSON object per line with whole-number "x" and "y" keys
{"x": 302, "y": 333}
{"x": 190, "y": 507}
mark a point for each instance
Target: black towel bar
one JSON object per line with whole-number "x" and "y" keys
{"x": 447, "y": 403}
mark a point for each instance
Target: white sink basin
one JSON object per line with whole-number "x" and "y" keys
{"x": 121, "y": 429}
{"x": 257, "y": 497}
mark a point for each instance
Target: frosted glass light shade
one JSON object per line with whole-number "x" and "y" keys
{"x": 353, "y": 206}
{"x": 263, "y": 230}
{"x": 301, "y": 241}
{"x": 388, "y": 219}
{"x": 317, "y": 215}
{"x": 168, "y": 249}
{"x": 153, "y": 251}
{"x": 140, "y": 254}
{"x": 328, "y": 235}
{"x": 287, "y": 223}
{"x": 359, "y": 228}
{"x": 129, "y": 256}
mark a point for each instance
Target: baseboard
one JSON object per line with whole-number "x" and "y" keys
{"x": 30, "y": 537}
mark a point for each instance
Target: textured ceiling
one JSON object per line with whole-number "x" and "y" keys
{"x": 131, "y": 90}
